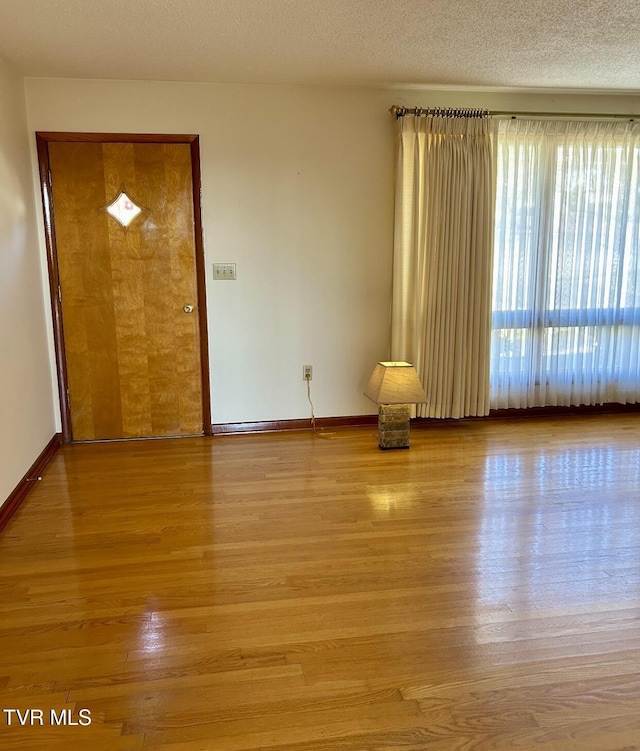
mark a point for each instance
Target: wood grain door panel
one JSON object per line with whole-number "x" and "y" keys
{"x": 132, "y": 353}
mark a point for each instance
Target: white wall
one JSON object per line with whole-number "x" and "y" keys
{"x": 300, "y": 199}
{"x": 26, "y": 400}
{"x": 298, "y": 192}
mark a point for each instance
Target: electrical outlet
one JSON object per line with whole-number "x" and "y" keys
{"x": 307, "y": 372}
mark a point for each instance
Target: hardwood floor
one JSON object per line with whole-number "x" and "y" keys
{"x": 479, "y": 591}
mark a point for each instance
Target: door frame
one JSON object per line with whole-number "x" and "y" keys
{"x": 43, "y": 138}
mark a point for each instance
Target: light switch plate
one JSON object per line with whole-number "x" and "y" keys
{"x": 224, "y": 271}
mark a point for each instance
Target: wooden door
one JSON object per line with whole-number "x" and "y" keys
{"x": 130, "y": 323}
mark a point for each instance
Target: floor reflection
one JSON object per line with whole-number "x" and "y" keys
{"x": 556, "y": 530}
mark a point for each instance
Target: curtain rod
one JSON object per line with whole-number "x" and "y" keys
{"x": 577, "y": 115}
{"x": 397, "y": 112}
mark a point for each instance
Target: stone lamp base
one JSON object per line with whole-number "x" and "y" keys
{"x": 393, "y": 426}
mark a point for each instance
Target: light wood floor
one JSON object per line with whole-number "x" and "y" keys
{"x": 479, "y": 591}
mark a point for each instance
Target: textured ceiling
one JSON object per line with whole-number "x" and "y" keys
{"x": 578, "y": 44}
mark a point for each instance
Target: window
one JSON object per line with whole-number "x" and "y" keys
{"x": 566, "y": 284}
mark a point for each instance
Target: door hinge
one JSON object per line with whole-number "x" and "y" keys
{"x": 68, "y": 398}
{"x": 59, "y": 293}
{"x": 49, "y": 178}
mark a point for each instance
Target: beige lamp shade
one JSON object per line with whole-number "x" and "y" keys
{"x": 395, "y": 383}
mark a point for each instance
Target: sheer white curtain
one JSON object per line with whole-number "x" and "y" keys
{"x": 441, "y": 312}
{"x": 566, "y": 287}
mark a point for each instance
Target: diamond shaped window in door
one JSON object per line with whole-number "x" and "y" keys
{"x": 124, "y": 209}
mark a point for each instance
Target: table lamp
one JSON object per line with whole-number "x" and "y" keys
{"x": 394, "y": 386}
